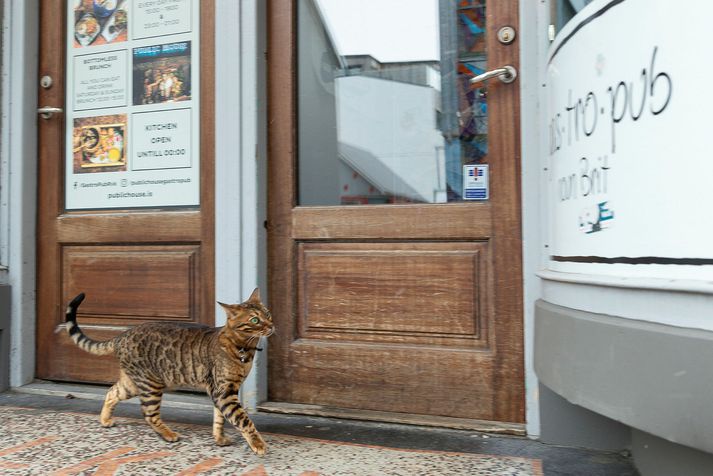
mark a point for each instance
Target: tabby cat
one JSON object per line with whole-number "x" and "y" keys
{"x": 154, "y": 357}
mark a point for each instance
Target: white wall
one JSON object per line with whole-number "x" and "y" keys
{"x": 240, "y": 166}
{"x": 18, "y": 153}
{"x": 661, "y": 212}
{"x": 4, "y": 162}
{"x": 533, "y": 42}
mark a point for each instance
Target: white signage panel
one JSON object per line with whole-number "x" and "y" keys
{"x": 163, "y": 140}
{"x": 628, "y": 178}
{"x": 100, "y": 80}
{"x": 132, "y": 118}
{"x": 162, "y": 17}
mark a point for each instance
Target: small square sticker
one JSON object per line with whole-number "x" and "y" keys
{"x": 475, "y": 182}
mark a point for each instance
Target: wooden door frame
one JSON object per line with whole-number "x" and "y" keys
{"x": 505, "y": 202}
{"x": 140, "y": 225}
{"x": 281, "y": 152}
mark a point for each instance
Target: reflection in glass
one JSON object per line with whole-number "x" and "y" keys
{"x": 386, "y": 112}
{"x": 562, "y": 11}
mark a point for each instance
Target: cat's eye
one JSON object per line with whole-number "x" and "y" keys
{"x": 254, "y": 320}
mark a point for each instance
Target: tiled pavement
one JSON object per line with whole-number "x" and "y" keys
{"x": 55, "y": 435}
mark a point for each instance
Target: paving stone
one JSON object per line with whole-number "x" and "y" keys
{"x": 63, "y": 434}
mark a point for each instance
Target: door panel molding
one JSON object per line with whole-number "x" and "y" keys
{"x": 341, "y": 284}
{"x": 163, "y": 282}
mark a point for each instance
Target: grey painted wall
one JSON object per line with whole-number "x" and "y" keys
{"x": 563, "y": 423}
{"x": 652, "y": 377}
{"x": 657, "y": 457}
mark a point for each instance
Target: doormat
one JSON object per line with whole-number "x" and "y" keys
{"x": 63, "y": 443}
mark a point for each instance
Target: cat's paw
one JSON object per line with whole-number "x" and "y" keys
{"x": 170, "y": 436}
{"x": 107, "y": 423}
{"x": 257, "y": 444}
{"x": 223, "y": 441}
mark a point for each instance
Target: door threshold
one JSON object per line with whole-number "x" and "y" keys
{"x": 500, "y": 428}
{"x": 187, "y": 401}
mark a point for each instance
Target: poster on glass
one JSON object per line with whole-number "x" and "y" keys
{"x": 100, "y": 22}
{"x": 162, "y": 73}
{"x": 99, "y": 144}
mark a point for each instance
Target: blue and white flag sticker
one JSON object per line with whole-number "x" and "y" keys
{"x": 475, "y": 182}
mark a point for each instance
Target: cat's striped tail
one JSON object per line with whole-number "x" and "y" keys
{"x": 76, "y": 334}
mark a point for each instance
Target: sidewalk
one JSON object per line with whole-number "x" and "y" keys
{"x": 42, "y": 434}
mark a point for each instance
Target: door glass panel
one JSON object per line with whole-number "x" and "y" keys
{"x": 386, "y": 111}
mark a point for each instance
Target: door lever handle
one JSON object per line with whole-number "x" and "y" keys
{"x": 506, "y": 74}
{"x": 46, "y": 112}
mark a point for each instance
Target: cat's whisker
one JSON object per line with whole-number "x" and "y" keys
{"x": 253, "y": 339}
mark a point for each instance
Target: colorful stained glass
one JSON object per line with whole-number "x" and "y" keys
{"x": 473, "y": 113}
{"x": 471, "y": 27}
{"x": 472, "y": 99}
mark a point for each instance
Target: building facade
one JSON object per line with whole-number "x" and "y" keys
{"x": 488, "y": 214}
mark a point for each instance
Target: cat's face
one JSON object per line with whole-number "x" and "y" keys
{"x": 250, "y": 317}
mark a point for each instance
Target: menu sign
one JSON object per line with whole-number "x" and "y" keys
{"x": 162, "y": 140}
{"x": 133, "y": 136}
{"x": 100, "y": 80}
{"x": 162, "y": 17}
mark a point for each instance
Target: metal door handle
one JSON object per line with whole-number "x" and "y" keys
{"x": 46, "y": 112}
{"x": 506, "y": 74}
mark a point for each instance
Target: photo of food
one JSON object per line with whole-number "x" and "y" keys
{"x": 99, "y": 22}
{"x": 99, "y": 144}
{"x": 162, "y": 73}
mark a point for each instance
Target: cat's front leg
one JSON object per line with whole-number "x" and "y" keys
{"x": 230, "y": 407}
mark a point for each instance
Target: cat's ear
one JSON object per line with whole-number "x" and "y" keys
{"x": 224, "y": 306}
{"x": 255, "y": 296}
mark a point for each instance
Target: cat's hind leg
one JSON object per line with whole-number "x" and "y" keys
{"x": 218, "y": 425}
{"x": 123, "y": 389}
{"x": 151, "y": 408}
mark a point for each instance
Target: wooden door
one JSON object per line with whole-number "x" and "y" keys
{"x": 404, "y": 307}
{"x": 149, "y": 261}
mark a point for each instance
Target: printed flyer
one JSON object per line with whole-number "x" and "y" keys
{"x": 133, "y": 109}
{"x": 163, "y": 140}
{"x": 100, "y": 80}
{"x": 162, "y": 17}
